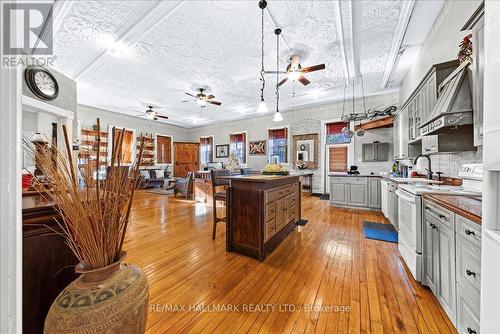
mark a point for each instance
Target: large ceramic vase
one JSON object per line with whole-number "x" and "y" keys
{"x": 113, "y": 299}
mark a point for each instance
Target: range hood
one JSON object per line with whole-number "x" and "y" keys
{"x": 454, "y": 105}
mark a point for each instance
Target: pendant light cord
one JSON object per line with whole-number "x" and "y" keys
{"x": 343, "y": 101}
{"x": 363, "y": 92}
{"x": 262, "y": 78}
{"x": 277, "y": 70}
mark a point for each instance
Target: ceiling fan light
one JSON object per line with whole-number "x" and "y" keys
{"x": 262, "y": 108}
{"x": 294, "y": 75}
{"x": 277, "y": 117}
{"x": 201, "y": 103}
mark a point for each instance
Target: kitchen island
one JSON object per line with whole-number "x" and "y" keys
{"x": 262, "y": 211}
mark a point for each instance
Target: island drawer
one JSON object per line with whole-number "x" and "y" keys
{"x": 468, "y": 266}
{"x": 270, "y": 211}
{"x": 442, "y": 215}
{"x": 275, "y": 194}
{"x": 269, "y": 229}
{"x": 469, "y": 230}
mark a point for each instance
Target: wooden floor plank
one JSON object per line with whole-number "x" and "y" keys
{"x": 327, "y": 263}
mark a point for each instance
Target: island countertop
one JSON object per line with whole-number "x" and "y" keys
{"x": 352, "y": 175}
{"x": 261, "y": 178}
{"x": 468, "y": 207}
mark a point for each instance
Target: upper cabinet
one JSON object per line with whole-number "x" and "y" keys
{"x": 475, "y": 27}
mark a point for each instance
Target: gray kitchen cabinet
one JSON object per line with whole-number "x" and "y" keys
{"x": 338, "y": 192}
{"x": 468, "y": 313}
{"x": 355, "y": 191}
{"x": 395, "y": 134}
{"x": 357, "y": 194}
{"x": 374, "y": 193}
{"x": 446, "y": 289}
{"x": 431, "y": 251}
{"x": 375, "y": 152}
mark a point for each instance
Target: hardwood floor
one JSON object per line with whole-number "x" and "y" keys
{"x": 194, "y": 282}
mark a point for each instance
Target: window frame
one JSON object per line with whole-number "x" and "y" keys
{"x": 171, "y": 149}
{"x": 287, "y": 144}
{"x": 244, "y": 148}
{"x": 212, "y": 151}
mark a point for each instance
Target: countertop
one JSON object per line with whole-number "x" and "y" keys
{"x": 353, "y": 175}
{"x": 260, "y": 178}
{"x": 33, "y": 203}
{"x": 468, "y": 207}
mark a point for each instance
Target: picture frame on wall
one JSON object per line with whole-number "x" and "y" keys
{"x": 257, "y": 147}
{"x": 222, "y": 151}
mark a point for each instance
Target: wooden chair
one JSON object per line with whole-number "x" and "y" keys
{"x": 215, "y": 175}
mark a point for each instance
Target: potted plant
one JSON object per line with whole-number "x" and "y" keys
{"x": 109, "y": 296}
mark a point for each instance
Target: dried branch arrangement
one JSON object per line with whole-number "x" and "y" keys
{"x": 95, "y": 216}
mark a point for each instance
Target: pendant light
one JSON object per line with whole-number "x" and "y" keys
{"x": 277, "y": 115}
{"x": 262, "y": 108}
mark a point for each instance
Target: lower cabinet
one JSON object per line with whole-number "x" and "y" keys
{"x": 354, "y": 191}
{"x": 452, "y": 267}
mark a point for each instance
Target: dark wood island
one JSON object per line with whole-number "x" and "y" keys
{"x": 262, "y": 211}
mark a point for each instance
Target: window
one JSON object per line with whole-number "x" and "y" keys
{"x": 206, "y": 149}
{"x": 163, "y": 149}
{"x": 278, "y": 145}
{"x": 337, "y": 158}
{"x": 334, "y": 133}
{"x": 238, "y": 144}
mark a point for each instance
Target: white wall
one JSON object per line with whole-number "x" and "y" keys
{"x": 302, "y": 121}
{"x": 87, "y": 116}
{"x": 36, "y": 122}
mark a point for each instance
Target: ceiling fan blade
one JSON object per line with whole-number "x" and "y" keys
{"x": 312, "y": 68}
{"x": 274, "y": 72}
{"x": 187, "y": 101}
{"x": 190, "y": 95}
{"x": 283, "y": 81}
{"x": 303, "y": 80}
{"x": 217, "y": 103}
{"x": 161, "y": 116}
{"x": 208, "y": 97}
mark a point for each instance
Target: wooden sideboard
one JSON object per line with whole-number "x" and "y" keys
{"x": 262, "y": 211}
{"x": 48, "y": 263}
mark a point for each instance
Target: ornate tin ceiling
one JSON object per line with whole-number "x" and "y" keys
{"x": 127, "y": 53}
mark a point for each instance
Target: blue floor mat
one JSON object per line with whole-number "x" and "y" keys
{"x": 379, "y": 231}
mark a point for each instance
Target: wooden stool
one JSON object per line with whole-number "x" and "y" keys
{"x": 218, "y": 196}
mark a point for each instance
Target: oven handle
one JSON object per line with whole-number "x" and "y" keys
{"x": 405, "y": 197}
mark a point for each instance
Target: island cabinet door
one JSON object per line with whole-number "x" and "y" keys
{"x": 282, "y": 213}
{"x": 357, "y": 194}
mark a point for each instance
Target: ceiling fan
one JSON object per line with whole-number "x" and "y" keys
{"x": 202, "y": 99}
{"x": 295, "y": 71}
{"x": 152, "y": 114}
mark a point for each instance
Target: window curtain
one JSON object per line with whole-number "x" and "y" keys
{"x": 163, "y": 150}
{"x": 206, "y": 149}
{"x": 278, "y": 145}
{"x": 334, "y": 133}
{"x": 238, "y": 143}
{"x": 337, "y": 159}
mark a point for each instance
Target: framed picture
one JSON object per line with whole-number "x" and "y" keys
{"x": 222, "y": 151}
{"x": 257, "y": 147}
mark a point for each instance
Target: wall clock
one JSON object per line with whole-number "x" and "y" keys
{"x": 41, "y": 82}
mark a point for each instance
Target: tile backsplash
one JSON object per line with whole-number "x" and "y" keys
{"x": 450, "y": 163}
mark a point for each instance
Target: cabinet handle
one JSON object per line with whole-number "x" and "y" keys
{"x": 433, "y": 226}
{"x": 442, "y": 216}
{"x": 427, "y": 208}
{"x": 471, "y": 331}
{"x": 469, "y": 232}
{"x": 470, "y": 273}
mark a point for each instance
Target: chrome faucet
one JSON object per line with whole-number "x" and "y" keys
{"x": 429, "y": 170}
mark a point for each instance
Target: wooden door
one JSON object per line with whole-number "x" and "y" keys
{"x": 186, "y": 158}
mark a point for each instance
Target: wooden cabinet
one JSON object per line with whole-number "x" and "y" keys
{"x": 354, "y": 191}
{"x": 375, "y": 152}
{"x": 262, "y": 212}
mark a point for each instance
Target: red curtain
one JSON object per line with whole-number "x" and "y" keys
{"x": 278, "y": 134}
{"x": 335, "y": 128}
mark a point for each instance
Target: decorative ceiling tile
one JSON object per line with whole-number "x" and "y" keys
{"x": 176, "y": 47}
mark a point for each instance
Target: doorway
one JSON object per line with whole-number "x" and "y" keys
{"x": 186, "y": 157}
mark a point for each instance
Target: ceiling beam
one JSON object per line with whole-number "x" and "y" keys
{"x": 277, "y": 25}
{"x": 355, "y": 25}
{"x": 397, "y": 42}
{"x": 340, "y": 37}
{"x": 132, "y": 34}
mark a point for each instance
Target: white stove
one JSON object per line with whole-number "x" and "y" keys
{"x": 410, "y": 241}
